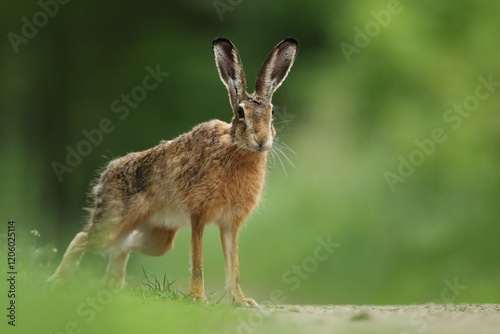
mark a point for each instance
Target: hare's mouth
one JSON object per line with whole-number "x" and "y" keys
{"x": 259, "y": 144}
{"x": 260, "y": 149}
{"x": 254, "y": 147}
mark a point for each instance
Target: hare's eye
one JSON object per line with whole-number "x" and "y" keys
{"x": 241, "y": 113}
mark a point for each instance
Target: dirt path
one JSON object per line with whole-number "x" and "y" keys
{"x": 428, "y": 318}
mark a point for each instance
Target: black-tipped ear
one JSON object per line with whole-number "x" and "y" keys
{"x": 230, "y": 68}
{"x": 276, "y": 67}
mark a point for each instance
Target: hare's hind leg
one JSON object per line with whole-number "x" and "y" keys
{"x": 152, "y": 241}
{"x": 97, "y": 236}
{"x": 117, "y": 267}
{"x": 83, "y": 241}
{"x": 71, "y": 258}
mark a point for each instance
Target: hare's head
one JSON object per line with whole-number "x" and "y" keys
{"x": 252, "y": 125}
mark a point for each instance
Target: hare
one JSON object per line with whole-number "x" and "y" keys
{"x": 213, "y": 174}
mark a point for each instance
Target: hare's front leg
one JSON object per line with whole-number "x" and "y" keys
{"x": 229, "y": 238}
{"x": 196, "y": 288}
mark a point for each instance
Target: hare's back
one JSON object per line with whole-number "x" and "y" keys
{"x": 167, "y": 170}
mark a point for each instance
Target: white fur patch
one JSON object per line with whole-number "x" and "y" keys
{"x": 172, "y": 218}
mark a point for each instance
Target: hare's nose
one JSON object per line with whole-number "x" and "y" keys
{"x": 261, "y": 143}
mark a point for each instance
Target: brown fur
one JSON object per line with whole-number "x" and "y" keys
{"x": 214, "y": 173}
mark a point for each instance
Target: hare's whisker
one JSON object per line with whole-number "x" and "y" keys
{"x": 287, "y": 147}
{"x": 276, "y": 153}
{"x": 286, "y": 157}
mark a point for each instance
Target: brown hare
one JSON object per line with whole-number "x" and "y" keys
{"x": 213, "y": 174}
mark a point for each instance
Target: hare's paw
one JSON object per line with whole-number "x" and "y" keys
{"x": 245, "y": 302}
{"x": 116, "y": 284}
{"x": 56, "y": 280}
{"x": 198, "y": 297}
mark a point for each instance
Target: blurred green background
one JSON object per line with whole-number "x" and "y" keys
{"x": 372, "y": 79}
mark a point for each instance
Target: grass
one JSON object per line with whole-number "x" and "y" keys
{"x": 154, "y": 289}
{"x": 151, "y": 304}
{"x": 86, "y": 305}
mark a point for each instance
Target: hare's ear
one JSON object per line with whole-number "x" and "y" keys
{"x": 276, "y": 67}
{"x": 230, "y": 68}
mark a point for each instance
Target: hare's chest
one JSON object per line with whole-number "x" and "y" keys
{"x": 242, "y": 190}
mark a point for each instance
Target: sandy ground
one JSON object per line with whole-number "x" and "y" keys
{"x": 409, "y": 319}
